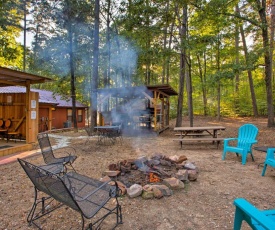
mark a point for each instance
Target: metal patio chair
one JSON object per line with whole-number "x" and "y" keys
{"x": 93, "y": 199}
{"x": 90, "y": 133}
{"x": 48, "y": 152}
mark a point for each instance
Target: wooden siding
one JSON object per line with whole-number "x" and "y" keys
{"x": 59, "y": 116}
{"x": 47, "y": 116}
{"x": 14, "y": 110}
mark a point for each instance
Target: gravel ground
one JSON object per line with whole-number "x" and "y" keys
{"x": 204, "y": 204}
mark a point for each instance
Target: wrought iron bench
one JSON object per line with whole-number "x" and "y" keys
{"x": 85, "y": 195}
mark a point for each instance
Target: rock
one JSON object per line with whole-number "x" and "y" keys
{"x": 122, "y": 187}
{"x": 147, "y": 194}
{"x": 192, "y": 175}
{"x": 157, "y": 156}
{"x": 165, "y": 162}
{"x": 157, "y": 193}
{"x": 181, "y": 159}
{"x": 173, "y": 183}
{"x": 174, "y": 158}
{"x": 111, "y": 173}
{"x": 180, "y": 166}
{"x": 182, "y": 175}
{"x": 147, "y": 187}
{"x": 153, "y": 162}
{"x": 134, "y": 191}
{"x": 166, "y": 191}
{"x": 113, "y": 167}
{"x": 189, "y": 165}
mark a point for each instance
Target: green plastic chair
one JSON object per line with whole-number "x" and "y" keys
{"x": 256, "y": 219}
{"x": 247, "y": 135}
{"x": 269, "y": 160}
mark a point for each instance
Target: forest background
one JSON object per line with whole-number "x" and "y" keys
{"x": 217, "y": 54}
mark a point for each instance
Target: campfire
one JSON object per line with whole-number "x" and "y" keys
{"x": 142, "y": 175}
{"x": 153, "y": 178}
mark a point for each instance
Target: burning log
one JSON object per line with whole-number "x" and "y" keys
{"x": 153, "y": 178}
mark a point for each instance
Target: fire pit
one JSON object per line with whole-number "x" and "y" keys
{"x": 143, "y": 174}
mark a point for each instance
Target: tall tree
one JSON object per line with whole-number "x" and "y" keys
{"x": 95, "y": 65}
{"x": 10, "y": 50}
{"x": 183, "y": 59}
{"x": 261, "y": 6}
{"x": 249, "y": 73}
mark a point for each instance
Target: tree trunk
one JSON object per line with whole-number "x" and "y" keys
{"x": 188, "y": 70}
{"x": 237, "y": 61}
{"x": 249, "y": 73}
{"x": 73, "y": 96}
{"x": 272, "y": 31}
{"x": 189, "y": 94}
{"x": 218, "y": 80}
{"x": 107, "y": 77}
{"x": 169, "y": 49}
{"x": 182, "y": 32}
{"x": 95, "y": 67}
{"x": 25, "y": 35}
{"x": 267, "y": 60}
{"x": 203, "y": 85}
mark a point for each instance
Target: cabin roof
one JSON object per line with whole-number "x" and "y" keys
{"x": 45, "y": 96}
{"x": 137, "y": 91}
{"x": 10, "y": 77}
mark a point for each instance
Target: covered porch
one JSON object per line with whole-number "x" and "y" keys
{"x": 140, "y": 107}
{"x": 22, "y": 112}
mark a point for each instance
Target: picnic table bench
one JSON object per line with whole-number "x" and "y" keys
{"x": 197, "y": 134}
{"x": 83, "y": 194}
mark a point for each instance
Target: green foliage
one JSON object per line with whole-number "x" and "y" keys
{"x": 10, "y": 50}
{"x": 141, "y": 44}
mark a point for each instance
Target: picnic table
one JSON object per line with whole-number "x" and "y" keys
{"x": 205, "y": 133}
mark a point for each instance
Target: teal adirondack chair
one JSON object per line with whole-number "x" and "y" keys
{"x": 257, "y": 219}
{"x": 247, "y": 135}
{"x": 269, "y": 160}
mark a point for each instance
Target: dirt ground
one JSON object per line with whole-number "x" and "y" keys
{"x": 204, "y": 204}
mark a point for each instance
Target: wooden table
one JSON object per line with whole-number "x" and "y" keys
{"x": 204, "y": 133}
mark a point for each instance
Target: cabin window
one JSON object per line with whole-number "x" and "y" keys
{"x": 79, "y": 115}
{"x": 69, "y": 115}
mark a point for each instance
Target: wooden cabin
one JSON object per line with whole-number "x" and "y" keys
{"x": 22, "y": 111}
{"x": 54, "y": 111}
{"x": 136, "y": 107}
